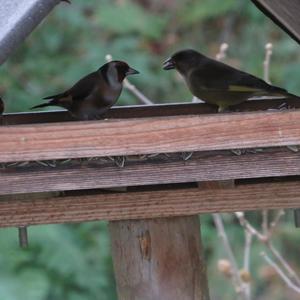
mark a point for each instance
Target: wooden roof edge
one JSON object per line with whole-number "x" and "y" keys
{"x": 280, "y": 17}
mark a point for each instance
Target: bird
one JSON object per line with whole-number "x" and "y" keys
{"x": 1, "y": 106}
{"x": 217, "y": 83}
{"x": 95, "y": 93}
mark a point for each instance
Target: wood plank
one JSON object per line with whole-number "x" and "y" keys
{"x": 159, "y": 259}
{"x": 149, "y": 135}
{"x": 203, "y": 166}
{"x": 143, "y": 111}
{"x": 148, "y": 204}
{"x": 285, "y": 13}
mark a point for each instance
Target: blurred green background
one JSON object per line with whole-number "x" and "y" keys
{"x": 72, "y": 262}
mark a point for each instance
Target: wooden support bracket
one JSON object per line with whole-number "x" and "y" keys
{"x": 159, "y": 259}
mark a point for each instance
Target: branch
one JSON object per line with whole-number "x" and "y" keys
{"x": 275, "y": 222}
{"x": 266, "y": 240}
{"x": 265, "y": 221}
{"x": 292, "y": 274}
{"x": 248, "y": 243}
{"x": 235, "y": 271}
{"x": 222, "y": 52}
{"x": 288, "y": 282}
{"x": 244, "y": 223}
{"x": 266, "y": 63}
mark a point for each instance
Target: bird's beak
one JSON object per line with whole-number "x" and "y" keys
{"x": 132, "y": 71}
{"x": 168, "y": 64}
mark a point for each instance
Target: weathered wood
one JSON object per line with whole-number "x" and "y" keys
{"x": 148, "y": 135}
{"x": 285, "y": 13}
{"x": 143, "y": 111}
{"x": 148, "y": 204}
{"x": 159, "y": 259}
{"x": 202, "y": 166}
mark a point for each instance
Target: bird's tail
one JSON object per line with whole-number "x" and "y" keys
{"x": 292, "y": 96}
{"x": 50, "y": 103}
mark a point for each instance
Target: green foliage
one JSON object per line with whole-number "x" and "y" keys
{"x": 197, "y": 11}
{"x": 62, "y": 262}
{"x": 131, "y": 19}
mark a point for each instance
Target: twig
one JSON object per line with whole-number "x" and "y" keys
{"x": 244, "y": 223}
{"x": 266, "y": 63}
{"x": 292, "y": 274}
{"x": 265, "y": 221}
{"x": 235, "y": 271}
{"x": 222, "y": 52}
{"x": 132, "y": 88}
{"x": 283, "y": 276}
{"x": 266, "y": 240}
{"x": 275, "y": 222}
{"x": 248, "y": 243}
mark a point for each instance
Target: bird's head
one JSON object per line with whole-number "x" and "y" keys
{"x": 183, "y": 61}
{"x": 118, "y": 70}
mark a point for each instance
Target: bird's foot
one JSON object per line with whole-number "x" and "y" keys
{"x": 118, "y": 160}
{"x": 293, "y": 148}
{"x": 186, "y": 155}
{"x": 283, "y": 106}
{"x": 222, "y": 109}
{"x": 239, "y": 152}
{"x": 254, "y": 150}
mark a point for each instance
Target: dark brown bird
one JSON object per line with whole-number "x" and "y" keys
{"x": 95, "y": 93}
{"x": 1, "y": 106}
{"x": 217, "y": 83}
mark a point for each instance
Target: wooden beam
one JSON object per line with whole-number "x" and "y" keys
{"x": 143, "y": 111}
{"x": 202, "y": 166}
{"x": 159, "y": 259}
{"x": 148, "y": 204}
{"x": 285, "y": 13}
{"x": 148, "y": 135}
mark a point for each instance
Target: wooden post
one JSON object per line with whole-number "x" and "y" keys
{"x": 159, "y": 259}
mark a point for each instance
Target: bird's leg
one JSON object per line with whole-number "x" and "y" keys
{"x": 118, "y": 160}
{"x": 237, "y": 152}
{"x": 222, "y": 109}
{"x": 186, "y": 155}
{"x": 293, "y": 148}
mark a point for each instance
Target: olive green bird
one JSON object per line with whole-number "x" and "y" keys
{"x": 217, "y": 83}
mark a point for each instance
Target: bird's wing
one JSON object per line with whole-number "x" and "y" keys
{"x": 218, "y": 76}
{"x": 84, "y": 87}
{"x": 80, "y": 90}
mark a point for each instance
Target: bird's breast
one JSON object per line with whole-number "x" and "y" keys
{"x": 106, "y": 96}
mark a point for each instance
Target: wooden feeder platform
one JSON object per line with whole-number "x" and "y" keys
{"x": 55, "y": 170}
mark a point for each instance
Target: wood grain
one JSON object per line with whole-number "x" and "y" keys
{"x": 148, "y": 204}
{"x": 285, "y": 13}
{"x": 203, "y": 166}
{"x": 143, "y": 111}
{"x": 148, "y": 135}
{"x": 159, "y": 259}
